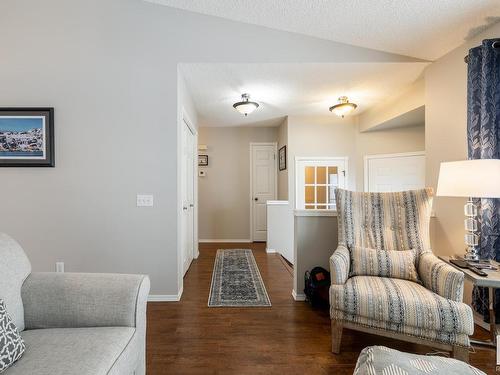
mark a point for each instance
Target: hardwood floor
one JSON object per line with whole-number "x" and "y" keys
{"x": 290, "y": 337}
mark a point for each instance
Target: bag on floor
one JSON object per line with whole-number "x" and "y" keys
{"x": 317, "y": 286}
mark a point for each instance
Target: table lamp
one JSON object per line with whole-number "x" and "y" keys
{"x": 478, "y": 178}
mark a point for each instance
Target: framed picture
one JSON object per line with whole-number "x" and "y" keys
{"x": 202, "y": 160}
{"x": 282, "y": 158}
{"x": 27, "y": 137}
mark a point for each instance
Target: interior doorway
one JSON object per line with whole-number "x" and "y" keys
{"x": 188, "y": 194}
{"x": 263, "y": 186}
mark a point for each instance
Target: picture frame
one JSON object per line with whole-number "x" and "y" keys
{"x": 202, "y": 160}
{"x": 27, "y": 137}
{"x": 282, "y": 158}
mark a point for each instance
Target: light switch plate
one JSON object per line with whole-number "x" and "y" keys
{"x": 144, "y": 200}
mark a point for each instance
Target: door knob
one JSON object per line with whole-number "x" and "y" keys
{"x": 256, "y": 199}
{"x": 184, "y": 208}
{"x": 191, "y": 205}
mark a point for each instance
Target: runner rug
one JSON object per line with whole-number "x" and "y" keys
{"x": 236, "y": 280}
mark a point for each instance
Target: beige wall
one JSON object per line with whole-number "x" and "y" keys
{"x": 322, "y": 136}
{"x": 283, "y": 175}
{"x": 446, "y": 140}
{"x": 224, "y": 194}
{"x": 389, "y": 141}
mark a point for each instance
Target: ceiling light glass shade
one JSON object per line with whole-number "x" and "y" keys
{"x": 344, "y": 107}
{"x": 245, "y": 107}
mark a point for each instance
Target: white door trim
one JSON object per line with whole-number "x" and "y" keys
{"x": 299, "y": 159}
{"x": 367, "y": 158}
{"x": 275, "y": 174}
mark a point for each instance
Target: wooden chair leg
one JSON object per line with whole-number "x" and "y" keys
{"x": 461, "y": 353}
{"x": 336, "y": 336}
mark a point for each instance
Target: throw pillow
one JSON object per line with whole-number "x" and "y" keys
{"x": 11, "y": 343}
{"x": 384, "y": 263}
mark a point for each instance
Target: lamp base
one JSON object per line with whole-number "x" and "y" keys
{"x": 471, "y": 256}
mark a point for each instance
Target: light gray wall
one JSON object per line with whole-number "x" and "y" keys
{"x": 109, "y": 67}
{"x": 283, "y": 175}
{"x": 224, "y": 194}
{"x": 316, "y": 238}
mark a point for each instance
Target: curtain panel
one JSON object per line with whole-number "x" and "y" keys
{"x": 483, "y": 133}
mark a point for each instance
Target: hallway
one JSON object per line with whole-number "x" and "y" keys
{"x": 187, "y": 337}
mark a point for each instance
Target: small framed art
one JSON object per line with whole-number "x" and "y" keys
{"x": 282, "y": 158}
{"x": 27, "y": 137}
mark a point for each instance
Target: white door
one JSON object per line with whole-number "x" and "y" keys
{"x": 188, "y": 175}
{"x": 262, "y": 186}
{"x": 395, "y": 172}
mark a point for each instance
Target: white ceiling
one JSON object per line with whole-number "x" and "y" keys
{"x": 420, "y": 28}
{"x": 291, "y": 89}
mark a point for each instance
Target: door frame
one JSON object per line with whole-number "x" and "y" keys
{"x": 275, "y": 174}
{"x": 186, "y": 121}
{"x": 367, "y": 158}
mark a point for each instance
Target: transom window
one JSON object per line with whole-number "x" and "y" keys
{"x": 317, "y": 180}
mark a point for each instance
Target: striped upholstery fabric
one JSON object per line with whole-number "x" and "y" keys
{"x": 396, "y": 221}
{"x": 383, "y": 263}
{"x": 385, "y": 221}
{"x": 402, "y": 306}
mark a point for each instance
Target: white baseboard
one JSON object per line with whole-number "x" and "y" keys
{"x": 298, "y": 296}
{"x": 165, "y": 297}
{"x": 270, "y": 251}
{"x": 246, "y": 240}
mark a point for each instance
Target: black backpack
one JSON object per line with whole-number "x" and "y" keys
{"x": 317, "y": 286}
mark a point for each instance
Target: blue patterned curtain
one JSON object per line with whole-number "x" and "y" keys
{"x": 483, "y": 133}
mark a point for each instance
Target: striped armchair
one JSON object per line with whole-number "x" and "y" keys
{"x": 430, "y": 312}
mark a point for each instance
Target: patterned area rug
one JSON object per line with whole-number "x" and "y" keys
{"x": 236, "y": 280}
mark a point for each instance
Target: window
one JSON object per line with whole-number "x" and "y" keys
{"x": 316, "y": 180}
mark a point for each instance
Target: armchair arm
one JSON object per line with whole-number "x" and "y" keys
{"x": 72, "y": 300}
{"x": 440, "y": 277}
{"x": 340, "y": 262}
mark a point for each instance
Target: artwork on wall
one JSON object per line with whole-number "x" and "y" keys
{"x": 27, "y": 137}
{"x": 282, "y": 158}
{"x": 202, "y": 160}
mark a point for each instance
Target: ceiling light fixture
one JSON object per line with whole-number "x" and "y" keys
{"x": 245, "y": 107}
{"x": 344, "y": 107}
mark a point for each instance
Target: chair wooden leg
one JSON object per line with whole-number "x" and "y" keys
{"x": 336, "y": 336}
{"x": 461, "y": 353}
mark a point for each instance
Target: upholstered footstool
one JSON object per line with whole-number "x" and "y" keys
{"x": 375, "y": 360}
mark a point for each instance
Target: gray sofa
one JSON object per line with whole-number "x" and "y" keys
{"x": 74, "y": 323}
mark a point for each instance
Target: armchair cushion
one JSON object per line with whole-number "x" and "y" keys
{"x": 384, "y": 263}
{"x": 11, "y": 343}
{"x": 339, "y": 265}
{"x": 72, "y": 300}
{"x": 399, "y": 303}
{"x": 440, "y": 277}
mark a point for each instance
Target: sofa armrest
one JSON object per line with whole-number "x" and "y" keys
{"x": 340, "y": 262}
{"x": 440, "y": 277}
{"x": 72, "y": 300}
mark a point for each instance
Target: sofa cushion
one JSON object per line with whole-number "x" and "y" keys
{"x": 14, "y": 269}
{"x": 399, "y": 303}
{"x": 383, "y": 360}
{"x": 83, "y": 351}
{"x": 384, "y": 263}
{"x": 11, "y": 343}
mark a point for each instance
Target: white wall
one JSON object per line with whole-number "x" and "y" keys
{"x": 109, "y": 67}
{"x": 224, "y": 193}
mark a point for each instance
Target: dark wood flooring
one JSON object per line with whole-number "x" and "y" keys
{"x": 290, "y": 337}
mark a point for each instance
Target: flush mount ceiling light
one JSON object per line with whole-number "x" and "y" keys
{"x": 344, "y": 107}
{"x": 245, "y": 106}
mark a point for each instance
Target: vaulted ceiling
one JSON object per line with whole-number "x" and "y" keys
{"x": 425, "y": 29}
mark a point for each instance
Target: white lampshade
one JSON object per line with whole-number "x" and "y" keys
{"x": 478, "y": 178}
